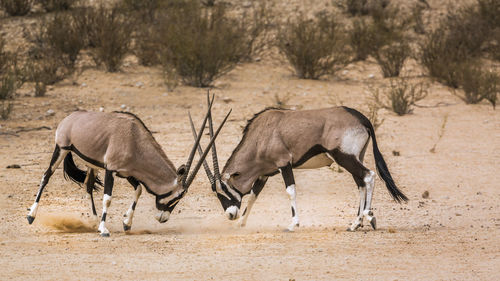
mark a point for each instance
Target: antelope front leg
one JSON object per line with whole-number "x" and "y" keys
{"x": 106, "y": 201}
{"x": 287, "y": 174}
{"x": 129, "y": 215}
{"x": 254, "y": 193}
{"x": 57, "y": 156}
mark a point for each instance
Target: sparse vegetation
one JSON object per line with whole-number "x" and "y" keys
{"x": 199, "y": 45}
{"x": 361, "y": 38}
{"x": 391, "y": 58}
{"x": 17, "y": 7}
{"x": 9, "y": 80}
{"x": 57, "y": 5}
{"x": 400, "y": 96}
{"x": 109, "y": 32}
{"x": 440, "y": 136}
{"x": 314, "y": 47}
{"x": 478, "y": 84}
{"x": 365, "y": 7}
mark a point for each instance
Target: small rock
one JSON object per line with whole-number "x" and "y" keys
{"x": 139, "y": 85}
{"x": 113, "y": 263}
{"x": 425, "y": 195}
{"x": 101, "y": 109}
{"x": 396, "y": 153}
{"x": 165, "y": 94}
{"x": 345, "y": 72}
{"x": 50, "y": 112}
{"x": 14, "y": 166}
{"x": 371, "y": 76}
{"x": 391, "y": 230}
{"x": 257, "y": 59}
{"x": 227, "y": 99}
{"x": 123, "y": 106}
{"x": 83, "y": 85}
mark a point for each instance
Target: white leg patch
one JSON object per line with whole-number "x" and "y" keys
{"x": 354, "y": 140}
{"x": 295, "y": 217}
{"x": 33, "y": 209}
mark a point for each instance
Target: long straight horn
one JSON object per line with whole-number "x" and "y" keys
{"x": 214, "y": 151}
{"x": 196, "y": 143}
{"x": 200, "y": 151}
{"x": 202, "y": 158}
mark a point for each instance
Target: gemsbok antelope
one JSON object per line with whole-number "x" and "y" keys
{"x": 277, "y": 141}
{"x": 122, "y": 145}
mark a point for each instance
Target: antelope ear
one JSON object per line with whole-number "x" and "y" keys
{"x": 182, "y": 170}
{"x": 225, "y": 177}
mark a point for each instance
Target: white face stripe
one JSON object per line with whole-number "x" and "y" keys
{"x": 219, "y": 190}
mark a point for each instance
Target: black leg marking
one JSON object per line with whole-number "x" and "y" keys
{"x": 287, "y": 174}
{"x": 133, "y": 205}
{"x": 293, "y": 212}
{"x": 103, "y": 216}
{"x": 351, "y": 164}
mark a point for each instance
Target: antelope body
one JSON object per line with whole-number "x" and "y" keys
{"x": 121, "y": 144}
{"x": 277, "y": 141}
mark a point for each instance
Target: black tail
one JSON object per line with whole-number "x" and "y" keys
{"x": 382, "y": 168}
{"x": 72, "y": 172}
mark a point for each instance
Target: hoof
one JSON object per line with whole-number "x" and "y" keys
{"x": 373, "y": 223}
{"x": 126, "y": 227}
{"x": 104, "y": 234}
{"x": 30, "y": 219}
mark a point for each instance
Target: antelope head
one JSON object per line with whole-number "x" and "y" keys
{"x": 229, "y": 197}
{"x": 165, "y": 203}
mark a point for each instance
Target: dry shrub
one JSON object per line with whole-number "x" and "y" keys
{"x": 146, "y": 47}
{"x": 314, "y": 47}
{"x": 458, "y": 39}
{"x": 57, "y": 5}
{"x": 17, "y": 7}
{"x": 54, "y": 50}
{"x": 257, "y": 26}
{"x": 478, "y": 84}
{"x": 365, "y": 7}
{"x": 361, "y": 38}
{"x": 198, "y": 44}
{"x": 391, "y": 58}
{"x": 400, "y": 96}
{"x": 108, "y": 30}
{"x": 9, "y": 80}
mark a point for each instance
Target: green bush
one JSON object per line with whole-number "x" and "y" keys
{"x": 57, "y": 5}
{"x": 314, "y": 47}
{"x": 199, "y": 45}
{"x": 16, "y": 7}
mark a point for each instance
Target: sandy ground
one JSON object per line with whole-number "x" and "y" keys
{"x": 454, "y": 234}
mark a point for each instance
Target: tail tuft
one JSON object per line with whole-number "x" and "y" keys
{"x": 72, "y": 172}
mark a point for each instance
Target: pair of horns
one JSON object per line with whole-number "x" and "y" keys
{"x": 216, "y": 175}
{"x": 188, "y": 179}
